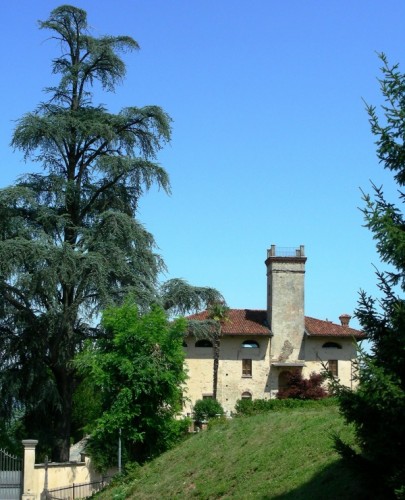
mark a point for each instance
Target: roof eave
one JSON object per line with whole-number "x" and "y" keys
{"x": 336, "y": 335}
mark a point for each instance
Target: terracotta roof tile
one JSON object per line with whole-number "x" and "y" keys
{"x": 321, "y": 328}
{"x": 241, "y": 322}
{"x": 254, "y": 322}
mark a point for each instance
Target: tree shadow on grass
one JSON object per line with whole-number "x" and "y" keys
{"x": 338, "y": 481}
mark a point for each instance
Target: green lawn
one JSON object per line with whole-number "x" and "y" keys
{"x": 282, "y": 455}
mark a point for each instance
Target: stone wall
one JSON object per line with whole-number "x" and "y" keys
{"x": 346, "y": 357}
{"x": 263, "y": 382}
{"x": 231, "y": 382}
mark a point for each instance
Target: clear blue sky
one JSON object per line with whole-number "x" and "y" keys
{"x": 271, "y": 142}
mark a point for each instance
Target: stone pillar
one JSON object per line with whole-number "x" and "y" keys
{"x": 29, "y": 492}
{"x": 285, "y": 301}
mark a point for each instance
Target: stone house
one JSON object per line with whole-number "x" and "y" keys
{"x": 259, "y": 347}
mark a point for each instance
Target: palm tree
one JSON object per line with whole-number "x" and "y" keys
{"x": 179, "y": 297}
{"x": 219, "y": 312}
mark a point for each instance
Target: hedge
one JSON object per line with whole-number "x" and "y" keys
{"x": 253, "y": 407}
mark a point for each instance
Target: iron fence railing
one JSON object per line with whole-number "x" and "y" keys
{"x": 10, "y": 476}
{"x": 274, "y": 251}
{"x": 77, "y": 490}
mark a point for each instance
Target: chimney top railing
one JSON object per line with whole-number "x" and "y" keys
{"x": 274, "y": 251}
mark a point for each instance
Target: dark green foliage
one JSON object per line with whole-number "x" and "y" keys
{"x": 11, "y": 435}
{"x": 70, "y": 244}
{"x": 136, "y": 371}
{"x": 377, "y": 408}
{"x": 205, "y": 409}
{"x": 179, "y": 297}
{"x": 298, "y": 387}
{"x": 87, "y": 407}
{"x": 245, "y": 407}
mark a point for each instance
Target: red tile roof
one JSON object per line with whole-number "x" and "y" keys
{"x": 254, "y": 322}
{"x": 240, "y": 322}
{"x": 320, "y": 328}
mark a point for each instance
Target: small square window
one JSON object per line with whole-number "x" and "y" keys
{"x": 246, "y": 367}
{"x": 333, "y": 367}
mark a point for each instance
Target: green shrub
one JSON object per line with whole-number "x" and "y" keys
{"x": 205, "y": 409}
{"x": 245, "y": 407}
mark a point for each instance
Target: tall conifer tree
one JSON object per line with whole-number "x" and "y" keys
{"x": 70, "y": 244}
{"x": 377, "y": 407}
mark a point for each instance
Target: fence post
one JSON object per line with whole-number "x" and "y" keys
{"x": 29, "y": 485}
{"x": 45, "y": 492}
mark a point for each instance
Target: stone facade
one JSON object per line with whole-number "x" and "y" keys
{"x": 259, "y": 347}
{"x": 285, "y": 303}
{"x": 232, "y": 382}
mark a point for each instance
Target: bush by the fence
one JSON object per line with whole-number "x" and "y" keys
{"x": 255, "y": 406}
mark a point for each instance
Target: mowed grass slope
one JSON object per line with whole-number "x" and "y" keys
{"x": 284, "y": 454}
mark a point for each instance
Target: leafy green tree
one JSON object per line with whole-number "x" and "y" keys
{"x": 377, "y": 407}
{"x": 137, "y": 371}
{"x": 70, "y": 244}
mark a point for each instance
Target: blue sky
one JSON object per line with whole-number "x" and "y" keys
{"x": 271, "y": 141}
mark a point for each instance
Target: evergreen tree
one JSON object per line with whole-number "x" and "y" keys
{"x": 377, "y": 407}
{"x": 70, "y": 244}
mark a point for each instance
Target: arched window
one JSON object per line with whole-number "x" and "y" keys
{"x": 184, "y": 343}
{"x": 252, "y": 344}
{"x": 246, "y": 395}
{"x": 203, "y": 343}
{"x": 331, "y": 345}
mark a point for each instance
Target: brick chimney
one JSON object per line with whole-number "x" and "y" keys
{"x": 345, "y": 319}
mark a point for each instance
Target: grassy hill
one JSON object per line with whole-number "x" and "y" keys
{"x": 279, "y": 455}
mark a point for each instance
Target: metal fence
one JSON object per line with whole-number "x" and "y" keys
{"x": 10, "y": 476}
{"x": 274, "y": 251}
{"x": 76, "y": 491}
